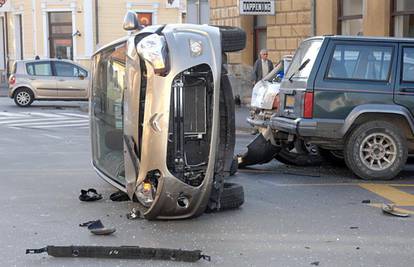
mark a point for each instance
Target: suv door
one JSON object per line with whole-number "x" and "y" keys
{"x": 353, "y": 73}
{"x": 41, "y": 79}
{"x": 404, "y": 89}
{"x": 71, "y": 80}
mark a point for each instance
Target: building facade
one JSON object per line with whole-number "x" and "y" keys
{"x": 295, "y": 20}
{"x": 71, "y": 29}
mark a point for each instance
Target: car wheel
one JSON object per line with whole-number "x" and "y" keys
{"x": 233, "y": 39}
{"x": 232, "y": 196}
{"x": 23, "y": 97}
{"x": 334, "y": 157}
{"x": 376, "y": 150}
{"x": 299, "y": 153}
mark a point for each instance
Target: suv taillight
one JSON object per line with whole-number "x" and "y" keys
{"x": 12, "y": 80}
{"x": 276, "y": 102}
{"x": 308, "y": 105}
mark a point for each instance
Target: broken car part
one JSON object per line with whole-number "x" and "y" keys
{"x": 123, "y": 252}
{"x": 390, "y": 209}
{"x": 261, "y": 150}
{"x": 89, "y": 195}
{"x": 162, "y": 116}
{"x": 96, "y": 227}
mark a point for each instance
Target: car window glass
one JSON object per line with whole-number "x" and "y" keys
{"x": 360, "y": 62}
{"x": 30, "y": 69}
{"x": 39, "y": 69}
{"x": 82, "y": 72}
{"x": 408, "y": 65}
{"x": 66, "y": 70}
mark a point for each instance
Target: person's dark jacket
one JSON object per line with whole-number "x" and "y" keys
{"x": 257, "y": 69}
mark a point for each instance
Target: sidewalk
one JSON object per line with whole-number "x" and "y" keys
{"x": 4, "y": 90}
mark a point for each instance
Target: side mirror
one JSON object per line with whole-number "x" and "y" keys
{"x": 82, "y": 77}
{"x": 131, "y": 22}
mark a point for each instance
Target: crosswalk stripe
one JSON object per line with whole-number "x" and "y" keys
{"x": 76, "y": 115}
{"x": 59, "y": 125}
{"x": 8, "y": 114}
{"x": 32, "y": 120}
{"x": 41, "y": 120}
{"x": 49, "y": 123}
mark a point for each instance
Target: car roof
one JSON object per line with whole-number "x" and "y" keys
{"x": 46, "y": 59}
{"x": 363, "y": 38}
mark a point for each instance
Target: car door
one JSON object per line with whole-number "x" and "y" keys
{"x": 71, "y": 80}
{"x": 41, "y": 79}
{"x": 404, "y": 89}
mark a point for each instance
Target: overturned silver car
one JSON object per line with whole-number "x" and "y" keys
{"x": 162, "y": 118}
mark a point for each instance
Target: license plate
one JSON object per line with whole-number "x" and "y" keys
{"x": 290, "y": 101}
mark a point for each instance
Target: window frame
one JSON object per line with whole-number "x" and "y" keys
{"x": 34, "y": 69}
{"x": 395, "y": 14}
{"x": 331, "y": 54}
{"x": 341, "y": 17}
{"x": 73, "y": 65}
{"x": 401, "y": 63}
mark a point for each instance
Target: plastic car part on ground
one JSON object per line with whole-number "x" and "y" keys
{"x": 123, "y": 252}
{"x": 89, "y": 195}
{"x": 97, "y": 228}
{"x": 261, "y": 150}
{"x": 390, "y": 209}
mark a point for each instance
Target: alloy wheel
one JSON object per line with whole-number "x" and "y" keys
{"x": 378, "y": 151}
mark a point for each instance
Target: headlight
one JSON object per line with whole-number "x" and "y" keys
{"x": 153, "y": 49}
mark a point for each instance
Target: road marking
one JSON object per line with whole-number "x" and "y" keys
{"x": 76, "y": 115}
{"x": 30, "y": 120}
{"x": 396, "y": 196}
{"x": 48, "y": 122}
{"x": 52, "y": 136}
{"x": 379, "y": 206}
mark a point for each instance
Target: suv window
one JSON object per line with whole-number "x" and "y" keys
{"x": 408, "y": 65}
{"x": 39, "y": 69}
{"x": 360, "y": 62}
{"x": 64, "y": 69}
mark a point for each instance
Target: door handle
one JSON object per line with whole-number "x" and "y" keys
{"x": 61, "y": 80}
{"x": 32, "y": 79}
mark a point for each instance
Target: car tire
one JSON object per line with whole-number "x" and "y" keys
{"x": 299, "y": 155}
{"x": 376, "y": 150}
{"x": 233, "y": 39}
{"x": 23, "y": 97}
{"x": 232, "y": 196}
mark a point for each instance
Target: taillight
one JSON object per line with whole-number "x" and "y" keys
{"x": 12, "y": 80}
{"x": 308, "y": 105}
{"x": 276, "y": 102}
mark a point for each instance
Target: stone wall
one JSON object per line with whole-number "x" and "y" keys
{"x": 290, "y": 25}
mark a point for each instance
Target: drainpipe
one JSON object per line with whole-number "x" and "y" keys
{"x": 313, "y": 17}
{"x": 6, "y": 47}
{"x": 96, "y": 22}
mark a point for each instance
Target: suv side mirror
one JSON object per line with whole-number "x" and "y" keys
{"x": 131, "y": 22}
{"x": 82, "y": 77}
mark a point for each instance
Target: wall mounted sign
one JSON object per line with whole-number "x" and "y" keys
{"x": 5, "y": 6}
{"x": 257, "y": 7}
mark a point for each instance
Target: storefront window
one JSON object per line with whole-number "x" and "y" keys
{"x": 350, "y": 17}
{"x": 403, "y": 14}
{"x": 60, "y": 35}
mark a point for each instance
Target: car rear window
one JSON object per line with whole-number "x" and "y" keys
{"x": 360, "y": 62}
{"x": 39, "y": 69}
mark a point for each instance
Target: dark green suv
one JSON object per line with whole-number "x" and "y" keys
{"x": 352, "y": 96}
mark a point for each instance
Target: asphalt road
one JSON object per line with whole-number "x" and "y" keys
{"x": 291, "y": 217}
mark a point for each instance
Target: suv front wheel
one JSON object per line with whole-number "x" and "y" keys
{"x": 376, "y": 150}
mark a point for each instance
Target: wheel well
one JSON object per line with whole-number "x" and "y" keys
{"x": 22, "y": 87}
{"x": 398, "y": 120}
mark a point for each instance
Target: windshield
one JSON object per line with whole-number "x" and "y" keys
{"x": 108, "y": 85}
{"x": 307, "y": 50}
